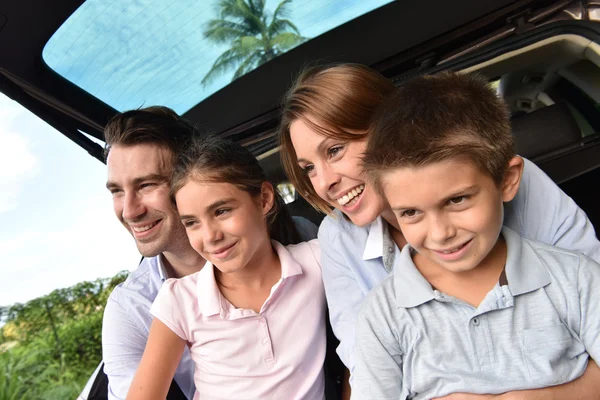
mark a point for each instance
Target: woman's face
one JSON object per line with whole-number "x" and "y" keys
{"x": 333, "y": 167}
{"x": 224, "y": 224}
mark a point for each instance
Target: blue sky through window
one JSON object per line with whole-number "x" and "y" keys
{"x": 139, "y": 53}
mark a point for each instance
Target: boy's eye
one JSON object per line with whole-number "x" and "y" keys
{"x": 408, "y": 213}
{"x": 457, "y": 200}
{"x": 147, "y": 185}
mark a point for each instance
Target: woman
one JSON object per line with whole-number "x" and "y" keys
{"x": 325, "y": 124}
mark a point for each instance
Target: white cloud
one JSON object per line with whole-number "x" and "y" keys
{"x": 17, "y": 162}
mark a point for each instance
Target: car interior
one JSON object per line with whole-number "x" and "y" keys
{"x": 542, "y": 56}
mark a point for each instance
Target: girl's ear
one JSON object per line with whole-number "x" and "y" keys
{"x": 512, "y": 178}
{"x": 267, "y": 197}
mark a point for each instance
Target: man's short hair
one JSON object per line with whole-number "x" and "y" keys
{"x": 152, "y": 125}
{"x": 440, "y": 117}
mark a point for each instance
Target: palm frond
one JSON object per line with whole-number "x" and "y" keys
{"x": 286, "y": 41}
{"x": 280, "y": 26}
{"x": 247, "y": 65}
{"x": 282, "y": 10}
{"x": 220, "y": 31}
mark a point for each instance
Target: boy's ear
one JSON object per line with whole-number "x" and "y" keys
{"x": 267, "y": 197}
{"x": 512, "y": 178}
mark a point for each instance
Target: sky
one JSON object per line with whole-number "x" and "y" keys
{"x": 142, "y": 52}
{"x": 57, "y": 227}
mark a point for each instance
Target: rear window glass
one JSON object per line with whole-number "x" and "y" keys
{"x": 131, "y": 54}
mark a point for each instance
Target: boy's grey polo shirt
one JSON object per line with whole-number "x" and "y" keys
{"x": 415, "y": 342}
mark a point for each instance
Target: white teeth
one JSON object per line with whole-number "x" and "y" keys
{"x": 142, "y": 228}
{"x": 350, "y": 195}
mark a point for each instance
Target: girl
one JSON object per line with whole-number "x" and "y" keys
{"x": 254, "y": 316}
{"x": 325, "y": 122}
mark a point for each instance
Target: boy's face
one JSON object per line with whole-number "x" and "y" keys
{"x": 450, "y": 211}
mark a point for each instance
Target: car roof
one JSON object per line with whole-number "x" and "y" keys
{"x": 392, "y": 39}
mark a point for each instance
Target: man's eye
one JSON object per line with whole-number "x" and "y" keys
{"x": 147, "y": 185}
{"x": 222, "y": 211}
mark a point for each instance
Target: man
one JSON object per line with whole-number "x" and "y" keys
{"x": 141, "y": 147}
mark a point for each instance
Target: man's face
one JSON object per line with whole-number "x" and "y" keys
{"x": 138, "y": 178}
{"x": 449, "y": 211}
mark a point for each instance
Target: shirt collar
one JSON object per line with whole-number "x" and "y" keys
{"x": 411, "y": 288}
{"x": 162, "y": 270}
{"x": 525, "y": 271}
{"x": 209, "y": 295}
{"x": 374, "y": 244}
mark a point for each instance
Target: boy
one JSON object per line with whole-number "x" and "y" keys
{"x": 472, "y": 306}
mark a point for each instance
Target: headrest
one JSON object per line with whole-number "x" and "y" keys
{"x": 544, "y": 130}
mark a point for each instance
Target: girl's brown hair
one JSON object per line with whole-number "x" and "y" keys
{"x": 214, "y": 159}
{"x": 335, "y": 101}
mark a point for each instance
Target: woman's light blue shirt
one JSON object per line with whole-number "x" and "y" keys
{"x": 356, "y": 259}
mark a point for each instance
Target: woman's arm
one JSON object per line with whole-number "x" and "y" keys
{"x": 343, "y": 292}
{"x": 542, "y": 211}
{"x": 159, "y": 362}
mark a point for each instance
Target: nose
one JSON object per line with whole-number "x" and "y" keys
{"x": 133, "y": 207}
{"x": 441, "y": 228}
{"x": 211, "y": 234}
{"x": 328, "y": 178}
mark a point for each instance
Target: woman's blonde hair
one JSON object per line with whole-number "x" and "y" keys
{"x": 337, "y": 101}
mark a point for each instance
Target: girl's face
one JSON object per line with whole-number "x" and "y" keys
{"x": 224, "y": 224}
{"x": 333, "y": 167}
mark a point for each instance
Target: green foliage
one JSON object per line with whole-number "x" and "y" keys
{"x": 59, "y": 341}
{"x": 255, "y": 35}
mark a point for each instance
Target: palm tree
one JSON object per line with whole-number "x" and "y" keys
{"x": 255, "y": 35}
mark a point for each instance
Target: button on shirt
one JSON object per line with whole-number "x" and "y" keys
{"x": 354, "y": 261}
{"x": 415, "y": 342}
{"x": 277, "y": 353}
{"x": 125, "y": 329}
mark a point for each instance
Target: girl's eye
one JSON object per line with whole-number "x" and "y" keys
{"x": 188, "y": 224}
{"x": 334, "y": 150}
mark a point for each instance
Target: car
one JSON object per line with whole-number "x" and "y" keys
{"x": 542, "y": 55}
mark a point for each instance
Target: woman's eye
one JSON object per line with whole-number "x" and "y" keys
{"x": 308, "y": 168}
{"x": 333, "y": 151}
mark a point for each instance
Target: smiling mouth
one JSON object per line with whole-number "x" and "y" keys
{"x": 223, "y": 250}
{"x": 144, "y": 228}
{"x": 351, "y": 197}
{"x": 454, "y": 250}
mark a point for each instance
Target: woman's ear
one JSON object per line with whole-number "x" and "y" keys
{"x": 512, "y": 178}
{"x": 267, "y": 197}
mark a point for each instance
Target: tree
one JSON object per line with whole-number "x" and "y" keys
{"x": 255, "y": 35}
